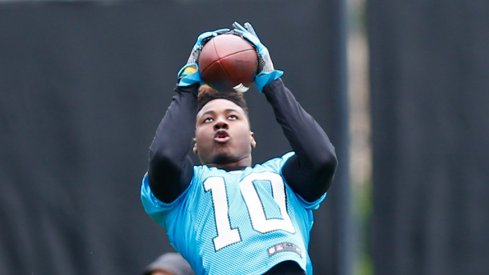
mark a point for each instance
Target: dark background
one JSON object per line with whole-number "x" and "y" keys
{"x": 83, "y": 87}
{"x": 429, "y": 72}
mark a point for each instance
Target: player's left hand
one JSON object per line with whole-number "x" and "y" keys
{"x": 267, "y": 72}
{"x": 189, "y": 73}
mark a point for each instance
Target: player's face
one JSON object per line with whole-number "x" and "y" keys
{"x": 222, "y": 135}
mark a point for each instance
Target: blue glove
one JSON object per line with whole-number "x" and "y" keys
{"x": 266, "y": 73}
{"x": 189, "y": 73}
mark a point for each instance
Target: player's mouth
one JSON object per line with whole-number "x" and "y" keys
{"x": 221, "y": 136}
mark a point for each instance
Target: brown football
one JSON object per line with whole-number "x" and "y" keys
{"x": 228, "y": 62}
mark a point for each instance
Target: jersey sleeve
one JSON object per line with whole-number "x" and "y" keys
{"x": 154, "y": 207}
{"x": 314, "y": 205}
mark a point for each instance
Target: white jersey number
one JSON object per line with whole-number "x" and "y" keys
{"x": 227, "y": 235}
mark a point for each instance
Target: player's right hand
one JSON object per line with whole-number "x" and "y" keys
{"x": 189, "y": 73}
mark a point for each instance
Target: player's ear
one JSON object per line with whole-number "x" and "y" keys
{"x": 252, "y": 140}
{"x": 194, "y": 147}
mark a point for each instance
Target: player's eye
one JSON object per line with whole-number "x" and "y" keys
{"x": 232, "y": 117}
{"x": 208, "y": 120}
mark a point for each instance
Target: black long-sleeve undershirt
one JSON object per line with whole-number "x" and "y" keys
{"x": 170, "y": 165}
{"x": 309, "y": 172}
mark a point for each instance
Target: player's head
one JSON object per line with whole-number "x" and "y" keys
{"x": 222, "y": 132}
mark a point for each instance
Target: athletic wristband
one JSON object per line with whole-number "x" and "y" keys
{"x": 264, "y": 78}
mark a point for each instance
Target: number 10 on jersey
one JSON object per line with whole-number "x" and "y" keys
{"x": 227, "y": 235}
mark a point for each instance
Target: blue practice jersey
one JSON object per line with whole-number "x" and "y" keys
{"x": 236, "y": 222}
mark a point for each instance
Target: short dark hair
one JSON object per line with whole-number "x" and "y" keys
{"x": 207, "y": 94}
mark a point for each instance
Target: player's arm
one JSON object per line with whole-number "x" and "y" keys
{"x": 170, "y": 165}
{"x": 310, "y": 171}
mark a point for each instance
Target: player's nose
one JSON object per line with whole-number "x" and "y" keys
{"x": 221, "y": 124}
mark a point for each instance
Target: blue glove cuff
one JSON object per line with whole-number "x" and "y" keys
{"x": 264, "y": 78}
{"x": 189, "y": 75}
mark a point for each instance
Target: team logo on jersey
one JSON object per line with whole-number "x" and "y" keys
{"x": 284, "y": 247}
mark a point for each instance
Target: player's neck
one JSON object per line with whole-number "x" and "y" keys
{"x": 235, "y": 165}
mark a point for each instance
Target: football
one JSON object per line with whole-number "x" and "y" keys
{"x": 228, "y": 62}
